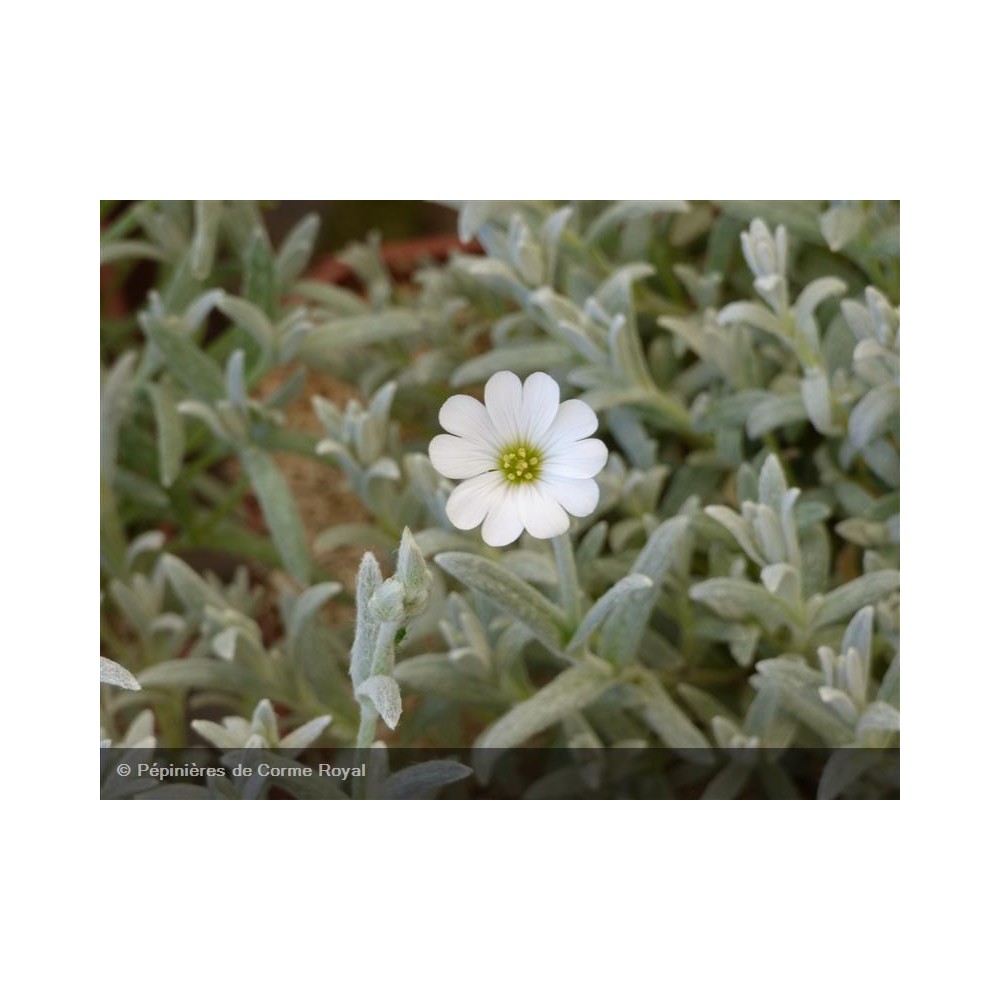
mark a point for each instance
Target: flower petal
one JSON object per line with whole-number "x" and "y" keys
{"x": 460, "y": 458}
{"x": 539, "y": 404}
{"x": 470, "y": 501}
{"x": 467, "y": 417}
{"x": 578, "y": 496}
{"x": 576, "y": 459}
{"x": 503, "y": 523}
{"x": 574, "y": 420}
{"x": 541, "y": 514}
{"x": 503, "y": 404}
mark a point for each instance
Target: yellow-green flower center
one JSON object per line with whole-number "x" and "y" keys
{"x": 520, "y": 463}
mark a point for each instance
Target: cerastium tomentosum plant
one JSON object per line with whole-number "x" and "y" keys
{"x": 672, "y": 523}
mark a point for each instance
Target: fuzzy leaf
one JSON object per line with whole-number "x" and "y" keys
{"x": 846, "y": 600}
{"x": 280, "y": 512}
{"x": 513, "y": 595}
{"x": 595, "y": 617}
{"x": 114, "y": 673}
{"x": 383, "y": 693}
{"x": 419, "y": 780}
{"x": 572, "y": 691}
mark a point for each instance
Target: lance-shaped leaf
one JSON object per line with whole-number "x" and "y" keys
{"x": 420, "y": 780}
{"x": 624, "y": 627}
{"x": 520, "y": 600}
{"x": 280, "y": 512}
{"x": 383, "y": 692}
{"x": 169, "y": 432}
{"x": 595, "y": 617}
{"x": 742, "y": 600}
{"x": 191, "y": 366}
{"x": 250, "y": 318}
{"x": 114, "y": 673}
{"x": 846, "y": 600}
{"x": 572, "y": 691}
{"x": 662, "y": 714}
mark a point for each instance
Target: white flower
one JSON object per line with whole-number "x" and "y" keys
{"x": 526, "y": 459}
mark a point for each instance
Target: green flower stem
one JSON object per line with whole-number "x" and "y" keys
{"x": 569, "y": 585}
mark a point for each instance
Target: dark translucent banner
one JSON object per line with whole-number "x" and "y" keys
{"x": 523, "y": 773}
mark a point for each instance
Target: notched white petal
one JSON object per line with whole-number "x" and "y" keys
{"x": 503, "y": 404}
{"x": 539, "y": 405}
{"x": 503, "y": 523}
{"x": 470, "y": 501}
{"x": 579, "y": 497}
{"x": 574, "y": 420}
{"x": 576, "y": 459}
{"x": 459, "y": 458}
{"x": 467, "y": 418}
{"x": 541, "y": 514}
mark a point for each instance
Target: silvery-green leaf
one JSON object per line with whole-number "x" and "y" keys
{"x": 816, "y": 398}
{"x": 533, "y": 567}
{"x": 754, "y": 315}
{"x": 859, "y": 319}
{"x": 846, "y": 600}
{"x": 218, "y": 736}
{"x": 783, "y": 581}
{"x": 623, "y": 211}
{"x": 224, "y": 643}
{"x": 551, "y": 232}
{"x": 858, "y": 634}
{"x": 339, "y": 301}
{"x": 114, "y": 673}
{"x": 328, "y": 340}
{"x": 306, "y": 734}
{"x": 738, "y": 528}
{"x": 250, "y": 318}
{"x": 742, "y": 600}
{"x": 365, "y": 627}
{"x": 438, "y": 674}
{"x": 525, "y": 251}
{"x": 296, "y": 249}
{"x": 812, "y": 295}
{"x": 874, "y": 414}
{"x": 800, "y": 695}
{"x": 279, "y": 509}
{"x": 206, "y": 228}
{"x": 775, "y": 412}
{"x": 383, "y": 692}
{"x": 879, "y": 715}
{"x": 840, "y": 703}
{"x": 772, "y": 484}
{"x": 193, "y": 591}
{"x": 116, "y": 396}
{"x": 202, "y": 673}
{"x": 889, "y": 690}
{"x": 608, "y": 601}
{"x": 170, "y": 440}
{"x": 191, "y": 366}
{"x": 862, "y": 532}
{"x": 419, "y": 780}
{"x": 662, "y": 714}
{"x": 841, "y": 224}
{"x": 148, "y": 541}
{"x": 842, "y": 769}
{"x": 236, "y": 385}
{"x": 307, "y": 604}
{"x": 516, "y": 597}
{"x": 767, "y": 531}
{"x": 571, "y": 691}
{"x": 130, "y": 250}
{"x": 625, "y": 624}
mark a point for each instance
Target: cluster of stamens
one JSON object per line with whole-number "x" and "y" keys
{"x": 520, "y": 465}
